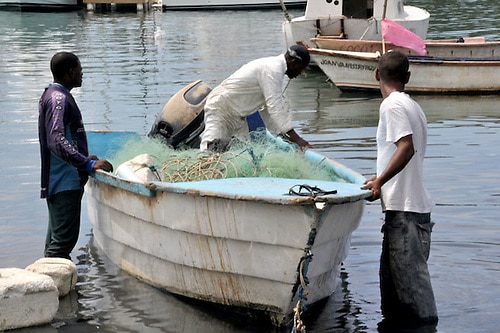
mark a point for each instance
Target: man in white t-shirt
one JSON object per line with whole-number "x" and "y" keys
{"x": 258, "y": 84}
{"x": 405, "y": 286}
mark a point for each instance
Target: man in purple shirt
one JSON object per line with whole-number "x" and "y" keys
{"x": 65, "y": 160}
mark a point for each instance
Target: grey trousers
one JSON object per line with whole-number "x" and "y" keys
{"x": 405, "y": 285}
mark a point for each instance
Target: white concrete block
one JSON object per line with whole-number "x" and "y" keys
{"x": 26, "y": 298}
{"x": 62, "y": 271}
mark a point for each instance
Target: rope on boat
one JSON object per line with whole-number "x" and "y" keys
{"x": 298, "y": 325}
{"x": 213, "y": 166}
{"x": 285, "y": 11}
{"x": 370, "y": 20}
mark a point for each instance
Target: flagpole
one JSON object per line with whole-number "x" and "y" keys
{"x": 383, "y": 18}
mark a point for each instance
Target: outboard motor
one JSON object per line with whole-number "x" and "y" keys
{"x": 180, "y": 122}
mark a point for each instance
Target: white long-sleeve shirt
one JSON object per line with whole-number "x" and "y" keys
{"x": 257, "y": 84}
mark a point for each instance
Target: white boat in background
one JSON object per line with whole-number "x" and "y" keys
{"x": 229, "y": 4}
{"x": 354, "y": 71}
{"x": 353, "y": 20}
{"x": 467, "y": 47}
{"x": 42, "y": 5}
{"x": 249, "y": 243}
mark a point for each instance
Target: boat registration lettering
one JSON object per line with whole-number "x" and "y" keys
{"x": 349, "y": 65}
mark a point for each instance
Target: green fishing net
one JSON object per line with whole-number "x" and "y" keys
{"x": 259, "y": 157}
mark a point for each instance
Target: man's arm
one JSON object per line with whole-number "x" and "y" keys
{"x": 55, "y": 129}
{"x": 403, "y": 154}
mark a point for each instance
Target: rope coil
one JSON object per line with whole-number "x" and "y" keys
{"x": 213, "y": 166}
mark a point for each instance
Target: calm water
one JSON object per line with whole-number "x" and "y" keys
{"x": 134, "y": 62}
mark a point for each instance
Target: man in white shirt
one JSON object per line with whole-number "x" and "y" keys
{"x": 405, "y": 286}
{"x": 258, "y": 85}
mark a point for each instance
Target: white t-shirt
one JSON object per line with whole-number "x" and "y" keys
{"x": 400, "y": 116}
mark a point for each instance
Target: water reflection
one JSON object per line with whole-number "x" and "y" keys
{"x": 113, "y": 301}
{"x": 109, "y": 300}
{"x": 462, "y": 18}
{"x": 345, "y": 308}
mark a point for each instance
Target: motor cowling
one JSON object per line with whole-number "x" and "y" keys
{"x": 181, "y": 122}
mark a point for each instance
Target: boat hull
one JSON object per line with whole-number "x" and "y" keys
{"x": 356, "y": 71}
{"x": 36, "y": 5}
{"x": 228, "y": 4}
{"x": 234, "y": 242}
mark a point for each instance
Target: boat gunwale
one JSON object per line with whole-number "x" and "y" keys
{"x": 297, "y": 4}
{"x": 369, "y": 56}
{"x": 151, "y": 190}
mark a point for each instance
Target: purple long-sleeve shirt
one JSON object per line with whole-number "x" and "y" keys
{"x": 63, "y": 142}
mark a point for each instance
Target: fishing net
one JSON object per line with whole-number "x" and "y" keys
{"x": 259, "y": 157}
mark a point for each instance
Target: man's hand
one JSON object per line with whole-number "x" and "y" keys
{"x": 295, "y": 138}
{"x": 303, "y": 144}
{"x": 103, "y": 165}
{"x": 374, "y": 185}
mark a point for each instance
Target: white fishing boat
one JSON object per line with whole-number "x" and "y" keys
{"x": 228, "y": 4}
{"x": 351, "y": 71}
{"x": 39, "y": 5}
{"x": 249, "y": 243}
{"x": 353, "y": 20}
{"x": 466, "y": 47}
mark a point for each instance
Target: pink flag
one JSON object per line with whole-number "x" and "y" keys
{"x": 400, "y": 36}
